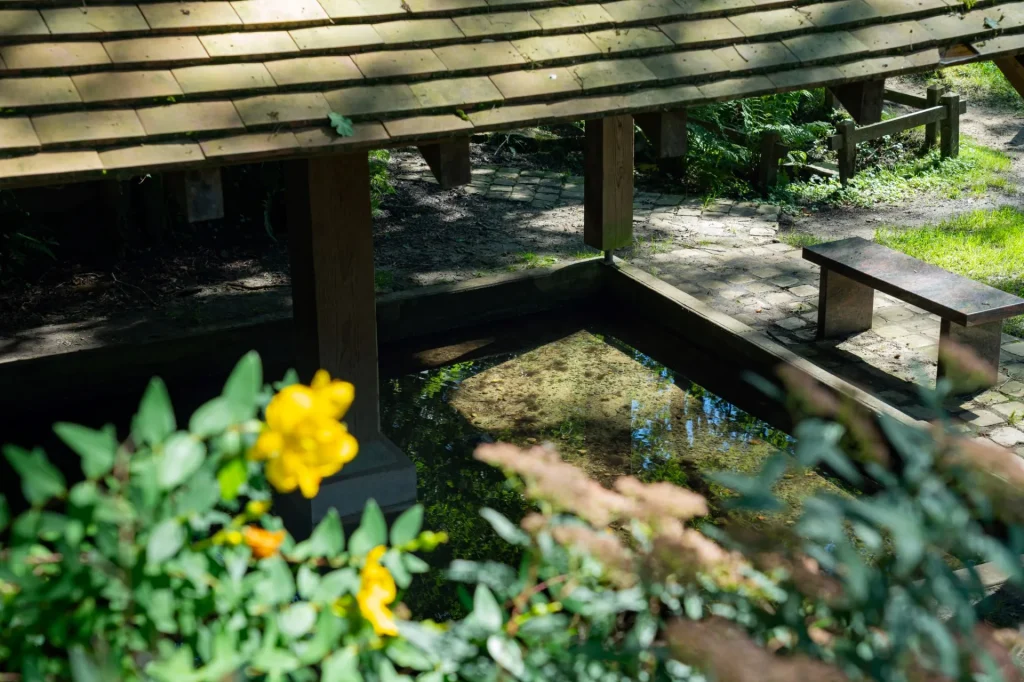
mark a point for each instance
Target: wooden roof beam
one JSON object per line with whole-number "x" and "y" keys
{"x": 1013, "y": 69}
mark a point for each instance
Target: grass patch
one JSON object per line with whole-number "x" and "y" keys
{"x": 987, "y": 246}
{"x": 383, "y": 280}
{"x": 800, "y": 239}
{"x": 971, "y": 174}
{"x": 531, "y": 260}
{"x": 979, "y": 82}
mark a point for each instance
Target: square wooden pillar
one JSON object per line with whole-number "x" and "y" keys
{"x": 863, "y": 100}
{"x": 1013, "y": 69}
{"x": 449, "y": 162}
{"x": 608, "y": 183}
{"x": 330, "y": 227}
{"x": 666, "y": 131}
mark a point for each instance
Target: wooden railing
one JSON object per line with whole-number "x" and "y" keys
{"x": 940, "y": 111}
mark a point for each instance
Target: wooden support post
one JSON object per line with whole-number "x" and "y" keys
{"x": 863, "y": 100}
{"x": 666, "y": 131}
{"x": 608, "y": 183}
{"x": 204, "y": 195}
{"x": 1013, "y": 69}
{"x": 847, "y": 152}
{"x": 845, "y": 307}
{"x": 768, "y": 166}
{"x": 931, "y": 131}
{"x": 329, "y": 221}
{"x": 951, "y": 126}
{"x": 830, "y": 101}
{"x": 449, "y": 161}
{"x": 983, "y": 340}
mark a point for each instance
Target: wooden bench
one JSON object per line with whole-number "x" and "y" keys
{"x": 852, "y": 269}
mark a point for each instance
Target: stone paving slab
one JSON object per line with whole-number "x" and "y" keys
{"x": 720, "y": 254}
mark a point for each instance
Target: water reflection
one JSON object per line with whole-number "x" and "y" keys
{"x": 607, "y": 407}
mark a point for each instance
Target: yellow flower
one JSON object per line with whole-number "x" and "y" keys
{"x": 264, "y": 543}
{"x": 376, "y": 592}
{"x": 303, "y": 440}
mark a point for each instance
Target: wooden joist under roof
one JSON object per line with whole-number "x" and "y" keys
{"x": 122, "y": 88}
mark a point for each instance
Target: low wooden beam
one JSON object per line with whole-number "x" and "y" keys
{"x": 334, "y": 306}
{"x": 608, "y": 183}
{"x": 449, "y": 161}
{"x": 863, "y": 100}
{"x": 666, "y": 131}
{"x": 1013, "y": 69}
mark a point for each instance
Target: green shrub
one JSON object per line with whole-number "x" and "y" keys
{"x": 164, "y": 563}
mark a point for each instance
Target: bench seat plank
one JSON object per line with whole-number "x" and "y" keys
{"x": 950, "y": 296}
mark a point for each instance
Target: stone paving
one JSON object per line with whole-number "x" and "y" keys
{"x": 728, "y": 255}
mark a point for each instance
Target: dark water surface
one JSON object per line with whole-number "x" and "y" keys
{"x": 607, "y": 407}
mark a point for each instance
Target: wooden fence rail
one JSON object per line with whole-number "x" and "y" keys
{"x": 943, "y": 110}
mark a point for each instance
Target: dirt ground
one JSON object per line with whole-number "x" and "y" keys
{"x": 233, "y": 270}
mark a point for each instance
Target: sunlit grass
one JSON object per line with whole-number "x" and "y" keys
{"x": 975, "y": 171}
{"x": 987, "y": 246}
{"x": 981, "y": 82}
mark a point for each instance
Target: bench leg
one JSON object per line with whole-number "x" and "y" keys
{"x": 983, "y": 340}
{"x": 845, "y": 307}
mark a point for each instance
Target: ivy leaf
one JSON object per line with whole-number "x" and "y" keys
{"x": 243, "y": 387}
{"x": 341, "y": 666}
{"x": 372, "y": 531}
{"x": 182, "y": 456}
{"x": 96, "y": 448}
{"x": 341, "y": 124}
{"x": 407, "y": 526}
{"x": 231, "y": 477}
{"x": 486, "y": 611}
{"x": 40, "y": 480}
{"x": 155, "y": 418}
{"x": 327, "y": 539}
{"x": 164, "y": 542}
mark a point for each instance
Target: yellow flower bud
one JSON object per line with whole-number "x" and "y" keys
{"x": 233, "y": 537}
{"x": 257, "y": 507}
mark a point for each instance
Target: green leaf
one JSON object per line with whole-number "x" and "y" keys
{"x": 507, "y": 530}
{"x": 279, "y": 584}
{"x": 335, "y": 584}
{"x": 327, "y": 539}
{"x": 164, "y": 542}
{"x": 155, "y": 418}
{"x": 486, "y": 611}
{"x": 414, "y": 564}
{"x": 405, "y": 655}
{"x": 198, "y": 496}
{"x": 275, "y": 662}
{"x": 307, "y": 580}
{"x": 83, "y": 668}
{"x": 40, "y": 480}
{"x": 243, "y": 387}
{"x": 407, "y": 526}
{"x": 507, "y": 654}
{"x": 291, "y": 377}
{"x": 393, "y": 562}
{"x": 182, "y": 456}
{"x": 296, "y": 620}
{"x": 96, "y": 448}
{"x": 84, "y": 494}
{"x": 372, "y": 531}
{"x": 341, "y": 125}
{"x": 341, "y": 666}
{"x": 231, "y": 477}
{"x": 211, "y": 418}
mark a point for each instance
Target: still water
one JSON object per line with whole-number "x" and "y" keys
{"x": 607, "y": 408}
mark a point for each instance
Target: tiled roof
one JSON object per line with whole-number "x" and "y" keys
{"x": 95, "y": 89}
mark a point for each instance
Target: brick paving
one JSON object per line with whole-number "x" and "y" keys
{"x": 727, "y": 255}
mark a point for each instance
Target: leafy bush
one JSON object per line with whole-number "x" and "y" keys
{"x": 165, "y": 563}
